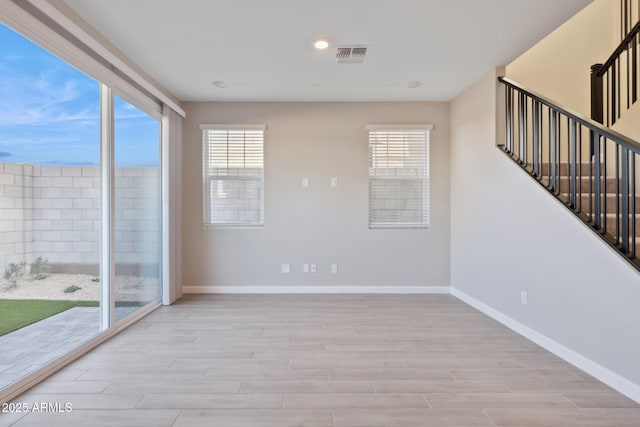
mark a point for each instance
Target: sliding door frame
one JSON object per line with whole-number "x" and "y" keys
{"x": 26, "y": 20}
{"x": 107, "y": 211}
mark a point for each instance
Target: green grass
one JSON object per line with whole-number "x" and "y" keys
{"x": 16, "y": 314}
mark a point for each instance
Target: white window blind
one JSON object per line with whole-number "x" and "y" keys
{"x": 399, "y": 176}
{"x": 233, "y": 172}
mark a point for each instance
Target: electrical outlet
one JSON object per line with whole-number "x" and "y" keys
{"x": 285, "y": 268}
{"x": 334, "y": 268}
{"x": 334, "y": 182}
{"x": 305, "y": 268}
{"x": 524, "y": 298}
{"x": 314, "y": 268}
{"x": 305, "y": 182}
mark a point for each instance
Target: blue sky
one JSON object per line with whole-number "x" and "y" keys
{"x": 50, "y": 112}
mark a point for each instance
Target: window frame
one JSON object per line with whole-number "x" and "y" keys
{"x": 207, "y": 179}
{"x": 425, "y": 177}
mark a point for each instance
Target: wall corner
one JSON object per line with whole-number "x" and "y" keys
{"x": 500, "y": 120}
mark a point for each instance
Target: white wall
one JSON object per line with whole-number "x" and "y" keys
{"x": 558, "y": 67}
{"x": 319, "y": 224}
{"x": 629, "y": 122}
{"x": 508, "y": 234}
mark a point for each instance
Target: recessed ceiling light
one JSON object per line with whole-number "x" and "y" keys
{"x": 220, "y": 84}
{"x": 413, "y": 84}
{"x": 321, "y": 44}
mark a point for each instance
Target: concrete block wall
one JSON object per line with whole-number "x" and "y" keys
{"x": 138, "y": 214}
{"x": 66, "y": 214}
{"x": 16, "y": 215}
{"x": 399, "y": 199}
{"x": 235, "y": 200}
{"x": 54, "y": 212}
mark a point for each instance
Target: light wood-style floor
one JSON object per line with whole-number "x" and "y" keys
{"x": 323, "y": 361}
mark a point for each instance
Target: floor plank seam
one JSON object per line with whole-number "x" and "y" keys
{"x": 177, "y": 417}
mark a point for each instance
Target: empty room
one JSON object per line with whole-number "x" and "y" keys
{"x": 347, "y": 213}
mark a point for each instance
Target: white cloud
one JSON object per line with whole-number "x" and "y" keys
{"x": 40, "y": 102}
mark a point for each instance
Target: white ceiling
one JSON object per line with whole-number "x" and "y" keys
{"x": 263, "y": 48}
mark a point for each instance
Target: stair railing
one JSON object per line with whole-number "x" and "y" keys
{"x": 629, "y": 15}
{"x": 589, "y": 168}
{"x": 614, "y": 84}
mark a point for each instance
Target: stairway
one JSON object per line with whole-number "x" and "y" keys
{"x": 610, "y": 203}
{"x": 548, "y": 141}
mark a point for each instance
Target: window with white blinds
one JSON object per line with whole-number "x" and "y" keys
{"x": 399, "y": 176}
{"x": 233, "y": 172}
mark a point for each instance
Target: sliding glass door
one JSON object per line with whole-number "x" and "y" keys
{"x": 50, "y": 201}
{"x": 137, "y": 208}
{"x": 80, "y": 233}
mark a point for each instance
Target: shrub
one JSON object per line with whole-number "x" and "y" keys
{"x": 95, "y": 279}
{"x": 40, "y": 268}
{"x": 71, "y": 289}
{"x": 13, "y": 272}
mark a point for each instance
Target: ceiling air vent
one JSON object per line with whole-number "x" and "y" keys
{"x": 351, "y": 54}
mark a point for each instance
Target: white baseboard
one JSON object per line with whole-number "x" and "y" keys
{"x": 613, "y": 380}
{"x": 315, "y": 289}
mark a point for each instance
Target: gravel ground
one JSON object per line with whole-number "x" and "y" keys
{"x": 128, "y": 288}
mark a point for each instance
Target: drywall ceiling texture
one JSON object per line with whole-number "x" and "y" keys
{"x": 319, "y": 224}
{"x": 509, "y": 235}
{"x": 263, "y": 49}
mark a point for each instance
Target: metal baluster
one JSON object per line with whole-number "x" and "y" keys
{"x": 636, "y": 44}
{"x": 554, "y": 150}
{"x": 619, "y": 87}
{"x": 617, "y": 188}
{"x": 621, "y": 19}
{"x": 567, "y": 170}
{"x": 628, "y": 88}
{"x": 596, "y": 178}
{"x": 579, "y": 135}
{"x": 540, "y": 138}
{"x": 608, "y": 100}
{"x": 507, "y": 119}
{"x": 536, "y": 136}
{"x": 634, "y": 70}
{"x": 572, "y": 163}
{"x": 626, "y": 19}
{"x": 512, "y": 115}
{"x": 625, "y": 199}
{"x": 633, "y": 204}
{"x": 549, "y": 149}
{"x": 604, "y": 193}
{"x": 614, "y": 98}
{"x": 522, "y": 129}
{"x": 591, "y": 172}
